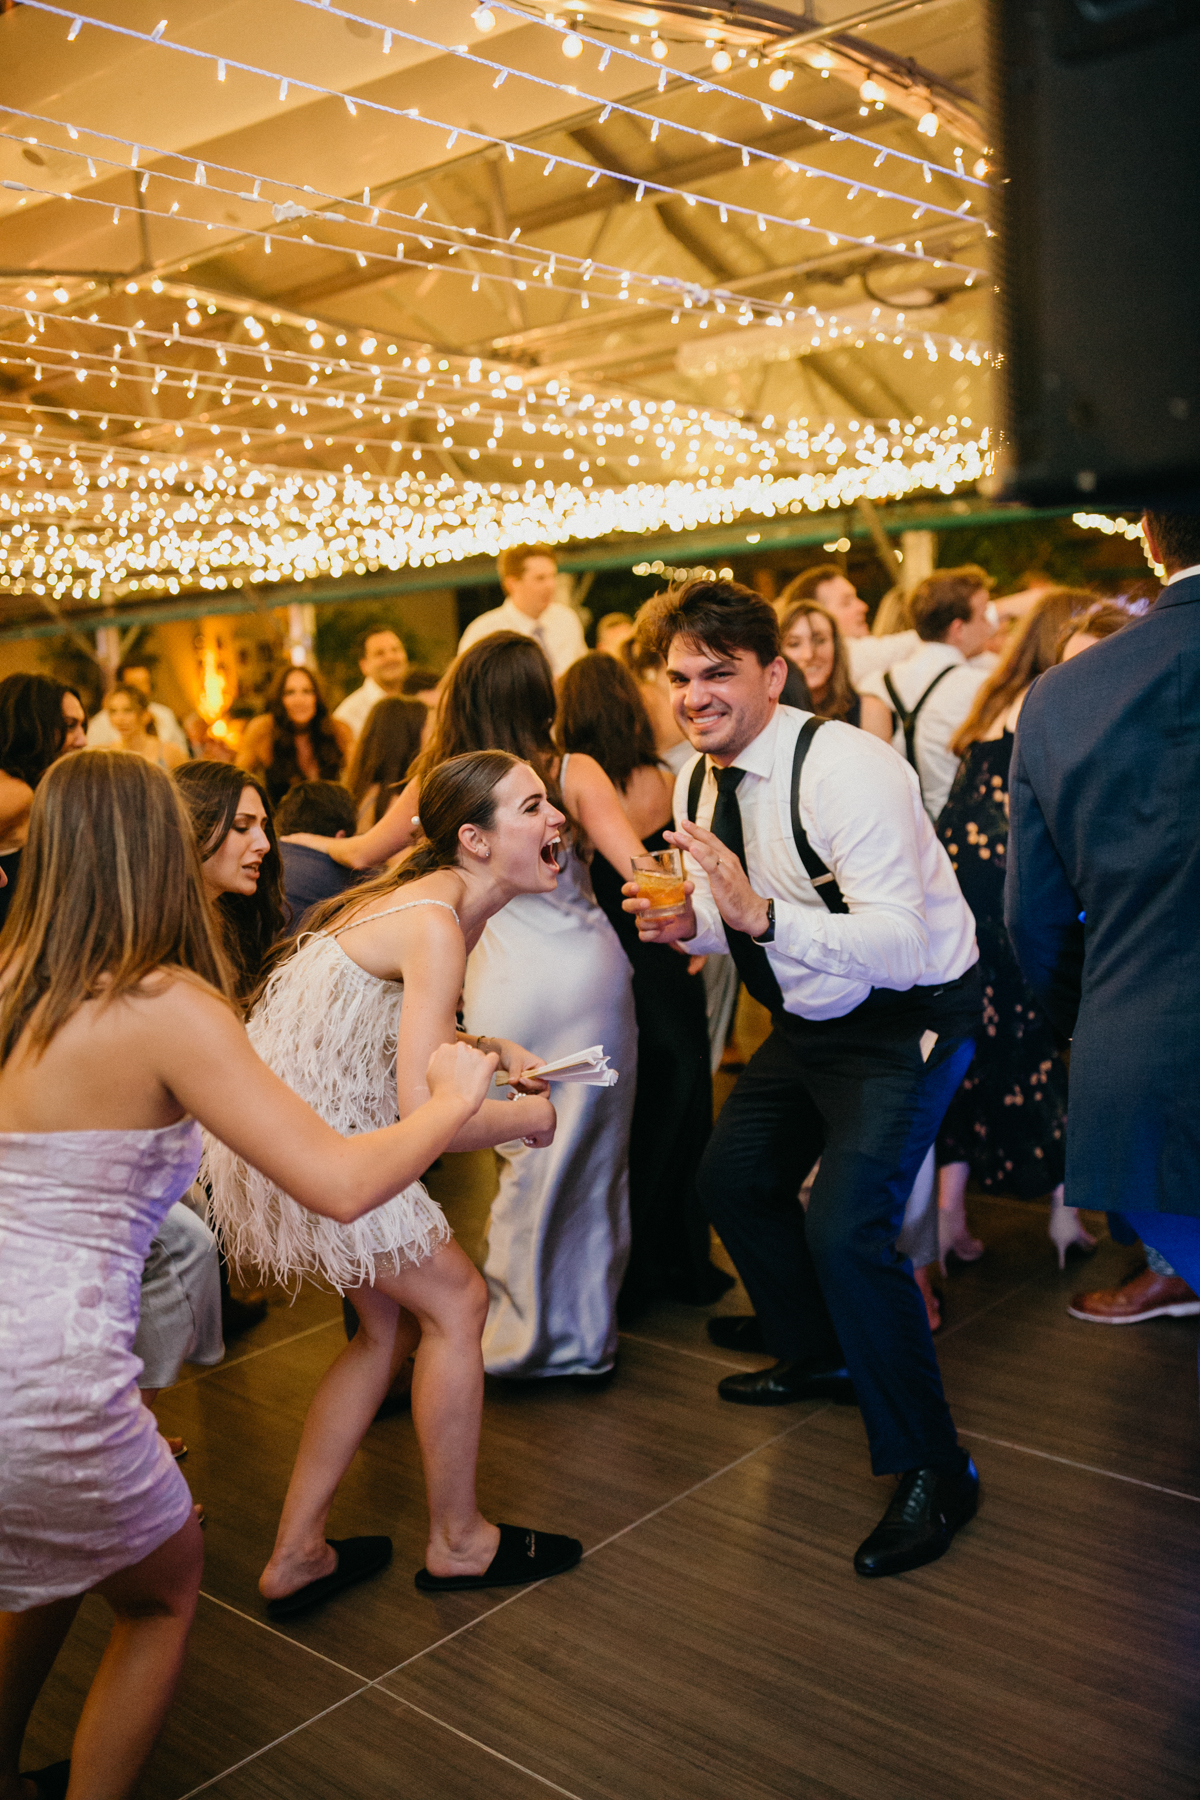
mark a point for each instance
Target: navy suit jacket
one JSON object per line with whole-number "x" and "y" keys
{"x": 1102, "y": 900}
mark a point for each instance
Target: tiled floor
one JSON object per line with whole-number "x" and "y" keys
{"x": 715, "y": 1642}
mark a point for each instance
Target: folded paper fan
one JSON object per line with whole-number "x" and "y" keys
{"x": 583, "y": 1068}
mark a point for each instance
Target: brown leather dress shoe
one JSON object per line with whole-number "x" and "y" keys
{"x": 1143, "y": 1295}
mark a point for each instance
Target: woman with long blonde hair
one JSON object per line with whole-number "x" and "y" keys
{"x": 118, "y": 1038}
{"x": 1006, "y": 1126}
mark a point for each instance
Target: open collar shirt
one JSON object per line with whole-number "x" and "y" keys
{"x": 559, "y": 631}
{"x": 358, "y": 706}
{"x": 908, "y": 924}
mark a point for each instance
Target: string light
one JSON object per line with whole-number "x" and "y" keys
{"x": 484, "y": 137}
{"x": 697, "y": 296}
{"x": 308, "y": 525}
{"x": 160, "y": 518}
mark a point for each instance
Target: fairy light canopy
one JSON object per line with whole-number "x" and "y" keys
{"x": 301, "y": 289}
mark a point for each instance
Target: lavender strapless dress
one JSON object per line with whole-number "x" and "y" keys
{"x": 87, "y": 1485}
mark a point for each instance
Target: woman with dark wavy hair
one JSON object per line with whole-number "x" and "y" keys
{"x": 240, "y": 861}
{"x": 550, "y": 970}
{"x": 40, "y": 720}
{"x": 297, "y": 738}
{"x": 242, "y": 872}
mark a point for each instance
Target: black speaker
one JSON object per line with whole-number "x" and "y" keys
{"x": 1096, "y": 115}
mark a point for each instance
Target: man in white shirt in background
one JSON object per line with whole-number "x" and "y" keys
{"x": 100, "y": 734}
{"x": 868, "y": 654}
{"x": 384, "y": 663}
{"x": 838, "y": 595}
{"x": 919, "y": 704}
{"x": 529, "y": 577}
{"x": 872, "y": 983}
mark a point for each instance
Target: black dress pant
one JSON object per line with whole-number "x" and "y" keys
{"x": 829, "y": 1286}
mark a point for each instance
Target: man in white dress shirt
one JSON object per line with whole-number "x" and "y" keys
{"x": 529, "y": 577}
{"x": 101, "y": 734}
{"x": 384, "y": 664}
{"x": 919, "y": 704}
{"x": 843, "y": 915}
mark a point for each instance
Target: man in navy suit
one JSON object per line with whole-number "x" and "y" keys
{"x": 1102, "y": 899}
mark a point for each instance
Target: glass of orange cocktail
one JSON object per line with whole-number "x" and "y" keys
{"x": 658, "y": 877}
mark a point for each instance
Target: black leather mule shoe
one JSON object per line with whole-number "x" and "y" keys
{"x": 520, "y": 1557}
{"x": 356, "y": 1559}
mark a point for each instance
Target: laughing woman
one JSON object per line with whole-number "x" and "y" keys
{"x": 117, "y": 1034}
{"x": 552, "y": 968}
{"x": 349, "y": 1020}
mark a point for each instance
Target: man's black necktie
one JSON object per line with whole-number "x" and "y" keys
{"x": 749, "y": 957}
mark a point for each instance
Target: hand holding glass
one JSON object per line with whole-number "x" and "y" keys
{"x": 658, "y": 877}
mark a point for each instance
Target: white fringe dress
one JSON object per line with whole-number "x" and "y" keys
{"x": 328, "y": 1029}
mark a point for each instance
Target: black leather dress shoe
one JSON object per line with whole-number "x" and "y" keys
{"x": 786, "y": 1382}
{"x": 737, "y": 1331}
{"x": 927, "y": 1509}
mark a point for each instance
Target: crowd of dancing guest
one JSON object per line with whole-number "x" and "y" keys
{"x": 477, "y": 852}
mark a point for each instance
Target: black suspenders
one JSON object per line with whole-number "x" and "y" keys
{"x": 908, "y": 720}
{"x": 820, "y": 876}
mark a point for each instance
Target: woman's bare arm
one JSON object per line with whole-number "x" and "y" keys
{"x": 594, "y": 801}
{"x": 203, "y": 1057}
{"x": 434, "y": 961}
{"x": 877, "y": 718}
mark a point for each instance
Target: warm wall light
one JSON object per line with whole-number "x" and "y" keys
{"x": 778, "y": 79}
{"x": 722, "y": 62}
{"x": 572, "y": 44}
{"x": 928, "y": 124}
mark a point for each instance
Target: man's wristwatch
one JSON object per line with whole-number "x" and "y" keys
{"x": 768, "y": 936}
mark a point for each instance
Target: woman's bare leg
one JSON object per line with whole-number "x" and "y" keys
{"x": 337, "y": 1421}
{"x": 29, "y": 1643}
{"x": 154, "y": 1602}
{"x": 448, "y": 1297}
{"x": 443, "y": 1301}
{"x": 953, "y": 1231}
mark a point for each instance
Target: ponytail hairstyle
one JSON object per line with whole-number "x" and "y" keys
{"x": 459, "y": 792}
{"x": 499, "y": 695}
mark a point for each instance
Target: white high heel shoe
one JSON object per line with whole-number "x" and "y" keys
{"x": 1066, "y": 1233}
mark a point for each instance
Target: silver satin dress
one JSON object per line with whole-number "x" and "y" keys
{"x": 550, "y": 972}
